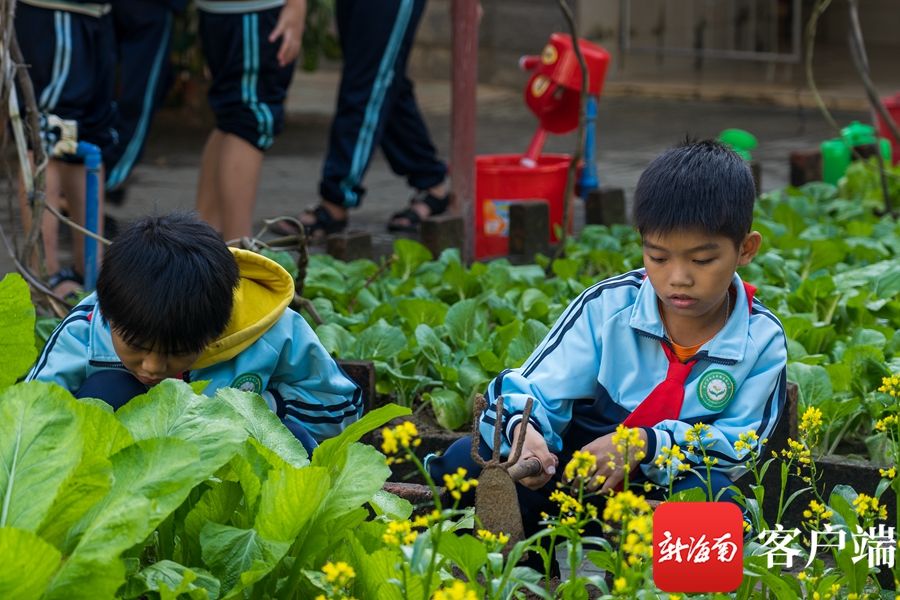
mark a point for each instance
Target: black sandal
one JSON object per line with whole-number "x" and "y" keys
{"x": 436, "y": 206}
{"x": 324, "y": 222}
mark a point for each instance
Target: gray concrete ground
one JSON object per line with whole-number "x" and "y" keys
{"x": 630, "y": 132}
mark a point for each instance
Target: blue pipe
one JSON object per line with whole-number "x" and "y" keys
{"x": 589, "y": 180}
{"x": 92, "y": 162}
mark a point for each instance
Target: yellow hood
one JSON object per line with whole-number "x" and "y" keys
{"x": 264, "y": 291}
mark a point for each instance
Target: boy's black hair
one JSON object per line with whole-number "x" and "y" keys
{"x": 167, "y": 283}
{"x": 702, "y": 186}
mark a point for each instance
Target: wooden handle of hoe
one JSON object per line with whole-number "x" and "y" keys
{"x": 525, "y": 468}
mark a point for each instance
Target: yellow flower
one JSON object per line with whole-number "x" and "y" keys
{"x": 696, "y": 434}
{"x": 567, "y": 504}
{"x": 867, "y": 506}
{"x": 883, "y": 424}
{"x": 340, "y": 573}
{"x": 816, "y": 513}
{"x": 746, "y": 442}
{"x": 499, "y": 539}
{"x": 404, "y": 435}
{"x": 630, "y": 436}
{"x": 399, "y": 532}
{"x": 457, "y": 591}
{"x": 888, "y": 473}
{"x": 620, "y": 584}
{"x": 890, "y": 385}
{"x": 623, "y": 505}
{"x": 457, "y": 484}
{"x": 810, "y": 423}
{"x": 797, "y": 451}
{"x": 582, "y": 465}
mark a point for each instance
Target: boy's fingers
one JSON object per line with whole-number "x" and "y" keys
{"x": 549, "y": 463}
{"x": 612, "y": 482}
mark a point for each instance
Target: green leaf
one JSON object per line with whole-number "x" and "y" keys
{"x": 337, "y": 340}
{"x": 217, "y": 504}
{"x": 535, "y": 304}
{"x": 27, "y": 566}
{"x": 472, "y": 377}
{"x": 264, "y": 425}
{"x": 449, "y": 408}
{"x": 462, "y": 322}
{"x": 410, "y": 255}
{"x": 360, "y": 477}
{"x": 380, "y": 341}
{"x": 151, "y": 479}
{"x": 431, "y": 346}
{"x": 330, "y": 452}
{"x": 17, "y": 349}
{"x": 815, "y": 386}
{"x": 99, "y": 424}
{"x": 418, "y": 311}
{"x": 391, "y": 506}
{"x": 239, "y": 557}
{"x": 85, "y": 487}
{"x": 167, "y": 574}
{"x": 533, "y": 333}
{"x": 375, "y": 572}
{"x": 565, "y": 268}
{"x": 280, "y": 516}
{"x": 468, "y": 553}
{"x": 172, "y": 409}
{"x": 40, "y": 446}
{"x": 284, "y": 260}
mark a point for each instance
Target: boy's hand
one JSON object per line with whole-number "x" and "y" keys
{"x": 290, "y": 29}
{"x": 602, "y": 448}
{"x": 535, "y": 446}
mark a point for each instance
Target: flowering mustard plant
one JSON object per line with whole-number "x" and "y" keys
{"x": 457, "y": 484}
{"x": 402, "y": 437}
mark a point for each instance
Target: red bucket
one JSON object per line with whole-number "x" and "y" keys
{"x": 892, "y": 104}
{"x": 499, "y": 181}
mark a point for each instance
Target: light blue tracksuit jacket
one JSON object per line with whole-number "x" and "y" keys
{"x": 603, "y": 357}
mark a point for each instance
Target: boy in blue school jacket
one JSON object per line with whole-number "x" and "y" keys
{"x": 686, "y": 317}
{"x": 173, "y": 300}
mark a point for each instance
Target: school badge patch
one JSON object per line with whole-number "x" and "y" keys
{"x": 716, "y": 389}
{"x": 248, "y": 382}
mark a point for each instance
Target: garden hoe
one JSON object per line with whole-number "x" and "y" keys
{"x": 496, "y": 502}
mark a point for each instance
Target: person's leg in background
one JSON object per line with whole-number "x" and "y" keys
{"x": 408, "y": 148}
{"x": 375, "y": 38}
{"x": 247, "y": 96}
{"x": 72, "y": 73}
{"x": 143, "y": 42}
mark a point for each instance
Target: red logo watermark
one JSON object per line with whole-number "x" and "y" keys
{"x": 698, "y": 547}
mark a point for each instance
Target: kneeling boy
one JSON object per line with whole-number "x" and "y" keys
{"x": 660, "y": 349}
{"x": 173, "y": 300}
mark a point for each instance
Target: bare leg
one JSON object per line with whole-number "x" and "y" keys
{"x": 64, "y": 182}
{"x": 229, "y": 178}
{"x": 240, "y": 164}
{"x": 207, "y": 185}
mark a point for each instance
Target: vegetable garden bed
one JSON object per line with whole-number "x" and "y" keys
{"x": 181, "y": 496}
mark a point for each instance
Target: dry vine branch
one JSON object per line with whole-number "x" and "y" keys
{"x": 860, "y": 62}
{"x": 30, "y": 110}
{"x": 569, "y": 198}
{"x": 811, "y": 25}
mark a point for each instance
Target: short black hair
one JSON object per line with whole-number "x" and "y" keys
{"x": 697, "y": 185}
{"x": 167, "y": 283}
